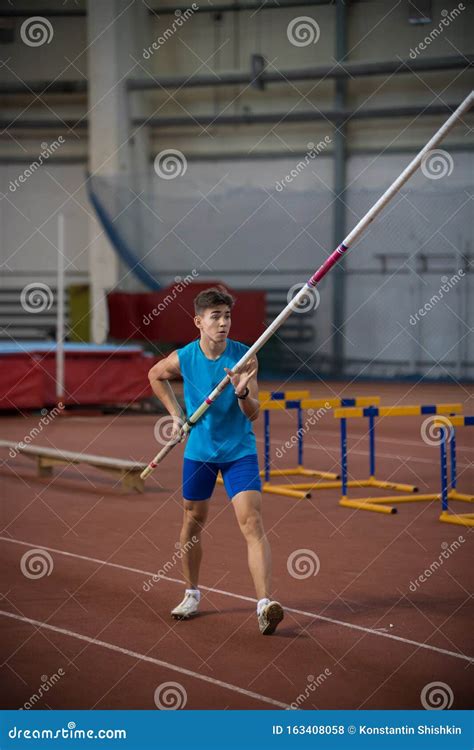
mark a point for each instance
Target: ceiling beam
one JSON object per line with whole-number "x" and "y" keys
{"x": 333, "y": 116}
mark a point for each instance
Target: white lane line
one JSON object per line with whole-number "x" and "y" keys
{"x": 312, "y": 615}
{"x": 144, "y": 657}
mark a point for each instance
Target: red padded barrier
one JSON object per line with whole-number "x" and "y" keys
{"x": 95, "y": 378}
{"x": 28, "y": 380}
{"x": 168, "y": 315}
{"x": 21, "y": 382}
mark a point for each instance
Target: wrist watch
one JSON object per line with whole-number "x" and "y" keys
{"x": 244, "y": 394}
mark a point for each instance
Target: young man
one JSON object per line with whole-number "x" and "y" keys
{"x": 222, "y": 439}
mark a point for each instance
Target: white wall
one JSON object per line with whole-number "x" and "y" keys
{"x": 376, "y": 31}
{"x": 28, "y": 222}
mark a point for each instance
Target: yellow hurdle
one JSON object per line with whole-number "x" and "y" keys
{"x": 449, "y": 491}
{"x": 299, "y": 400}
{"x": 383, "y": 504}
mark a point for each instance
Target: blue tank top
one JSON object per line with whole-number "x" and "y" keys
{"x": 223, "y": 433}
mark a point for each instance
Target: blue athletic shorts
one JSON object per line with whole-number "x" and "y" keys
{"x": 199, "y": 477}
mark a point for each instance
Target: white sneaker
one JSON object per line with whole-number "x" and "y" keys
{"x": 189, "y": 607}
{"x": 269, "y": 618}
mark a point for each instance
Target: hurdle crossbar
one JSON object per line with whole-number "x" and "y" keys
{"x": 278, "y": 396}
{"x": 398, "y": 411}
{"x": 449, "y": 490}
{"x": 383, "y": 504}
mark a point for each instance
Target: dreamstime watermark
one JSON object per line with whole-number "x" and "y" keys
{"x": 313, "y": 151}
{"x": 170, "y": 164}
{"x": 36, "y": 297}
{"x": 310, "y": 421}
{"x": 36, "y": 31}
{"x": 169, "y": 428}
{"x": 437, "y": 164}
{"x": 36, "y": 563}
{"x": 446, "y": 286}
{"x": 448, "y": 16}
{"x": 169, "y": 565}
{"x": 46, "y": 684}
{"x": 170, "y": 696}
{"x": 46, "y": 419}
{"x": 178, "y": 287}
{"x": 447, "y": 551}
{"x": 303, "y": 563}
{"x": 302, "y": 31}
{"x": 47, "y": 149}
{"x": 432, "y": 428}
{"x": 313, "y": 684}
{"x": 437, "y": 696}
{"x": 309, "y": 300}
{"x": 66, "y": 733}
{"x": 180, "y": 20}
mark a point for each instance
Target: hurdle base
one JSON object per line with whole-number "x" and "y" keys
{"x": 404, "y": 499}
{"x": 279, "y": 489}
{"x": 455, "y": 495}
{"x": 465, "y": 519}
{"x": 333, "y": 485}
{"x": 319, "y": 486}
{"x": 301, "y": 471}
{"x": 384, "y": 504}
{"x": 397, "y": 486}
{"x": 367, "y": 505}
{"x": 369, "y": 482}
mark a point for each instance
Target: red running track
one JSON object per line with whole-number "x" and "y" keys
{"x": 361, "y": 633}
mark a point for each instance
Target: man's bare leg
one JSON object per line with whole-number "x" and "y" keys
{"x": 194, "y": 517}
{"x": 248, "y": 509}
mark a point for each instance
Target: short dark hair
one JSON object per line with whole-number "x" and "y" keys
{"x": 212, "y": 297}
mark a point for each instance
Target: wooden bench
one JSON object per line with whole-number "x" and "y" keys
{"x": 127, "y": 471}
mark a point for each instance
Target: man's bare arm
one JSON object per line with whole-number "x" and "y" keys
{"x": 159, "y": 375}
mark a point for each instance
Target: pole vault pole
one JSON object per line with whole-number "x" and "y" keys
{"x": 319, "y": 274}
